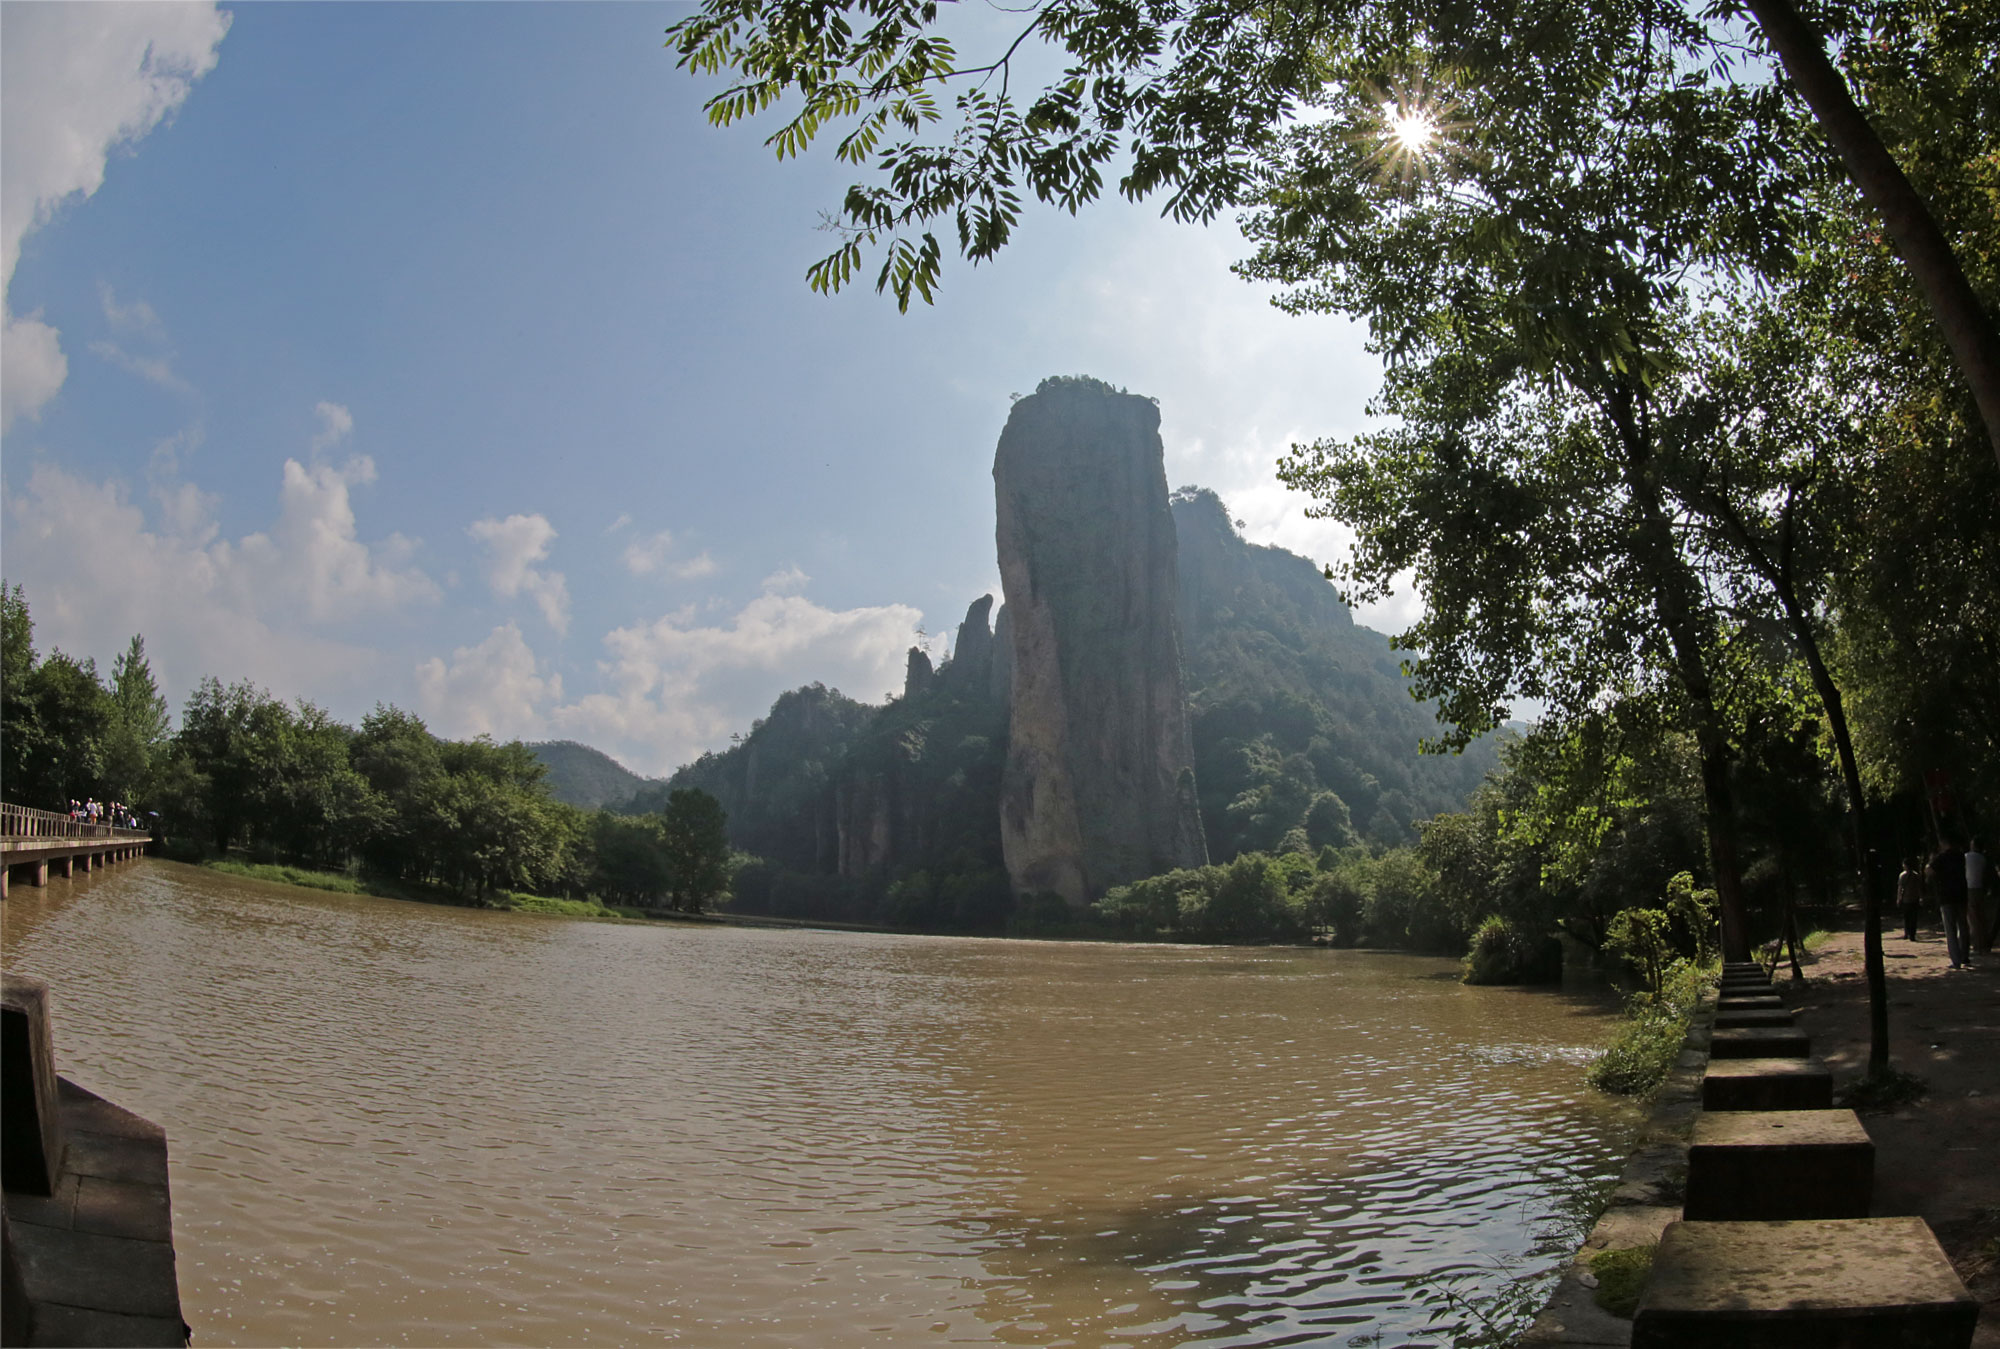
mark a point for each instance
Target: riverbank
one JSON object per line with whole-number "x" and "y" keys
{"x": 1935, "y": 1156}
{"x": 506, "y": 901}
{"x": 1934, "y": 1153}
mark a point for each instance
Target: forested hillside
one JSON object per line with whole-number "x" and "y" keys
{"x": 584, "y": 777}
{"x": 1302, "y": 719}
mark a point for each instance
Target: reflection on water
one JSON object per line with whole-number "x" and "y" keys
{"x": 394, "y": 1123}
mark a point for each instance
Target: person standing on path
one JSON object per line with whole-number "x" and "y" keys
{"x": 1910, "y": 896}
{"x": 1978, "y": 918}
{"x": 1947, "y": 873}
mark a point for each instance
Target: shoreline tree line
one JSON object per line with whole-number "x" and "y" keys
{"x": 247, "y": 774}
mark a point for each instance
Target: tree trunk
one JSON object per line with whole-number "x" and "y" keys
{"x": 1850, "y": 776}
{"x": 1777, "y": 573}
{"x": 1674, "y": 591}
{"x": 1967, "y": 327}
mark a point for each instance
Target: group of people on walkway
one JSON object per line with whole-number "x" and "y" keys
{"x": 1955, "y": 880}
{"x": 104, "y": 812}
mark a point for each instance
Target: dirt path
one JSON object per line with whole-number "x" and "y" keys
{"x": 1938, "y": 1158}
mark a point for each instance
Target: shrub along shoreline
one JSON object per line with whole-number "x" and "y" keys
{"x": 506, "y": 901}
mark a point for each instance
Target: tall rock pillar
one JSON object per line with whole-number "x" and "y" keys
{"x": 1099, "y": 782}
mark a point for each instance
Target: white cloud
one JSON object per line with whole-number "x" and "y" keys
{"x": 785, "y": 581}
{"x": 513, "y": 546}
{"x": 313, "y": 562}
{"x": 336, "y": 424}
{"x": 32, "y": 367}
{"x": 645, "y": 556}
{"x": 136, "y": 319}
{"x": 153, "y": 369}
{"x": 95, "y": 572}
{"x": 76, "y": 82}
{"x": 491, "y": 689}
{"x": 621, "y": 522}
{"x": 653, "y": 555}
{"x": 675, "y": 688}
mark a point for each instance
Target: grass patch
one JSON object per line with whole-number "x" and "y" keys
{"x": 517, "y": 902}
{"x": 1642, "y": 1050}
{"x": 344, "y": 883}
{"x": 1621, "y": 1278}
{"x": 1815, "y": 939}
{"x": 338, "y": 882}
{"x": 1891, "y": 1091}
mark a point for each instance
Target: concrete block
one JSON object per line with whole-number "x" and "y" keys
{"x": 1767, "y": 1084}
{"x": 80, "y": 1326}
{"x": 1729, "y": 1016}
{"x": 1869, "y": 1283}
{"x": 30, "y": 1112}
{"x": 109, "y": 1274}
{"x": 96, "y": 1258}
{"x": 17, "y": 1314}
{"x": 84, "y": 1111}
{"x": 1758, "y": 1042}
{"x": 1761, "y": 1165}
{"x": 114, "y": 1208}
{"x": 105, "y": 1157}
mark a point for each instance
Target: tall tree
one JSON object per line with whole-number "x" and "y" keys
{"x": 1965, "y": 322}
{"x": 19, "y": 730}
{"x": 696, "y": 845}
{"x": 139, "y": 722}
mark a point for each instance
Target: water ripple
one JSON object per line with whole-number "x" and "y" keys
{"x": 399, "y": 1124}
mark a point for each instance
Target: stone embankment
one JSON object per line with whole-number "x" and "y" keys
{"x": 87, "y": 1242}
{"x": 1753, "y": 1194}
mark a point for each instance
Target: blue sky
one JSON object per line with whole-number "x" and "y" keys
{"x": 443, "y": 355}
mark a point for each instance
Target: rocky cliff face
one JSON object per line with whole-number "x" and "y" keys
{"x": 1099, "y": 781}
{"x": 970, "y": 669}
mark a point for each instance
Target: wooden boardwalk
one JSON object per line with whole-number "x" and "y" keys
{"x": 36, "y": 842}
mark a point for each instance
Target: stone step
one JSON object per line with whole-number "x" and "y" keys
{"x": 1758, "y": 1042}
{"x": 1766, "y": 1084}
{"x": 1726, "y": 1017}
{"x": 1765, "y": 1165}
{"x": 1742, "y": 967}
{"x": 1861, "y": 1283}
{"x": 1743, "y": 981}
{"x": 1750, "y": 1000}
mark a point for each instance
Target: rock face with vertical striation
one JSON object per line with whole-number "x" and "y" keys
{"x": 970, "y": 669}
{"x": 1099, "y": 782}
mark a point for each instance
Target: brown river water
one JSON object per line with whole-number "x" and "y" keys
{"x": 395, "y": 1123}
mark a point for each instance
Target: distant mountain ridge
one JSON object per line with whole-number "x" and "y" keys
{"x": 584, "y": 777}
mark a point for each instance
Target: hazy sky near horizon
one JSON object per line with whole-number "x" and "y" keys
{"x": 444, "y": 356}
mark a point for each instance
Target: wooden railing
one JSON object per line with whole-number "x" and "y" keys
{"x": 27, "y": 822}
